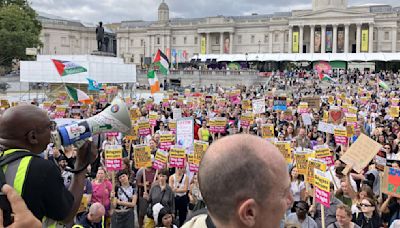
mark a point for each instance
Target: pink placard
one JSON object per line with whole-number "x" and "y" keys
{"x": 341, "y": 140}
{"x": 322, "y": 197}
{"x": 114, "y": 164}
{"x": 166, "y": 145}
{"x": 330, "y": 161}
{"x": 177, "y": 162}
{"x": 152, "y": 122}
{"x": 217, "y": 129}
{"x": 144, "y": 132}
{"x": 193, "y": 168}
{"x": 115, "y": 134}
{"x": 158, "y": 165}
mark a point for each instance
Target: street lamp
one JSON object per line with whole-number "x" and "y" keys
{"x": 247, "y": 65}
{"x": 259, "y": 46}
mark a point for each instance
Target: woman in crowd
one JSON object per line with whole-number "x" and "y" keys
{"x": 196, "y": 201}
{"x": 179, "y": 183}
{"x": 165, "y": 218}
{"x": 369, "y": 217}
{"x": 297, "y": 186}
{"x": 124, "y": 203}
{"x": 204, "y": 133}
{"x": 364, "y": 192}
{"x": 102, "y": 189}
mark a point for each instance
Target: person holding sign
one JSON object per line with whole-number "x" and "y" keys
{"x": 330, "y": 213}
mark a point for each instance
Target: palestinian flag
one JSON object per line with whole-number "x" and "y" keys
{"x": 162, "y": 62}
{"x": 78, "y": 95}
{"x": 153, "y": 80}
{"x": 325, "y": 77}
{"x": 383, "y": 85}
{"x": 67, "y": 67}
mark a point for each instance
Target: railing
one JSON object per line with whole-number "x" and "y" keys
{"x": 205, "y": 72}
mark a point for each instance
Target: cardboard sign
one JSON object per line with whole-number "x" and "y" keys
{"x": 391, "y": 182}
{"x": 285, "y": 149}
{"x": 142, "y": 156}
{"x": 113, "y": 156}
{"x": 144, "y": 128}
{"x": 246, "y": 119}
{"x": 361, "y": 153}
{"x": 322, "y": 188}
{"x": 340, "y": 135}
{"x": 280, "y": 103}
{"x": 218, "y": 124}
{"x": 312, "y": 164}
{"x": 177, "y": 157}
{"x": 199, "y": 150}
{"x": 258, "y": 106}
{"x": 160, "y": 160}
{"x": 335, "y": 115}
{"x": 267, "y": 131}
{"x": 185, "y": 133}
{"x": 301, "y": 158}
{"x": 313, "y": 102}
{"x": 167, "y": 140}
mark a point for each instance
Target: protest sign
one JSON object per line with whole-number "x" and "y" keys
{"x": 313, "y": 102}
{"x": 153, "y": 116}
{"x": 172, "y": 126}
{"x": 306, "y": 119}
{"x": 331, "y": 100}
{"x": 364, "y": 100}
{"x": 323, "y": 153}
{"x": 361, "y": 153}
{"x": 144, "y": 128}
{"x": 395, "y": 101}
{"x": 234, "y": 96}
{"x": 350, "y": 130}
{"x": 351, "y": 118}
{"x": 258, "y": 106}
{"x": 167, "y": 140}
{"x": 303, "y": 107}
{"x": 391, "y": 182}
{"x": 267, "y": 131}
{"x": 301, "y": 158}
{"x": 246, "y": 105}
{"x": 160, "y": 160}
{"x": 62, "y": 95}
{"x": 176, "y": 113}
{"x": 394, "y": 111}
{"x": 340, "y": 134}
{"x": 60, "y": 111}
{"x": 218, "y": 124}
{"x": 285, "y": 149}
{"x": 280, "y": 103}
{"x": 165, "y": 102}
{"x": 113, "y": 156}
{"x": 135, "y": 114}
{"x": 312, "y": 164}
{"x": 199, "y": 150}
{"x": 322, "y": 188}
{"x": 177, "y": 157}
{"x": 221, "y": 102}
{"x": 326, "y": 127}
{"x": 335, "y": 115}
{"x": 352, "y": 110}
{"x": 185, "y": 133}
{"x": 134, "y": 134}
{"x": 103, "y": 98}
{"x": 246, "y": 119}
{"x": 46, "y": 105}
{"x": 142, "y": 156}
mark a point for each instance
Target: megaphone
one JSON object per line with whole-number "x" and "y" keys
{"x": 114, "y": 118}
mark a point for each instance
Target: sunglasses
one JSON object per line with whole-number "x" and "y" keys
{"x": 366, "y": 205}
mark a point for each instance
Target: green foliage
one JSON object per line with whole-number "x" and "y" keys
{"x": 19, "y": 29}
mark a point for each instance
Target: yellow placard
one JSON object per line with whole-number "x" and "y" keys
{"x": 134, "y": 133}
{"x": 284, "y": 148}
{"x": 301, "y": 162}
{"x": 394, "y": 111}
{"x": 350, "y": 130}
{"x": 340, "y": 132}
{"x": 267, "y": 131}
{"x": 113, "y": 152}
{"x": 142, "y": 156}
{"x": 246, "y": 105}
{"x": 172, "y": 125}
{"x": 144, "y": 125}
{"x": 364, "y": 40}
{"x": 322, "y": 182}
{"x": 351, "y": 118}
{"x": 199, "y": 149}
{"x": 295, "y": 43}
{"x": 325, "y": 118}
{"x": 331, "y": 100}
{"x": 311, "y": 165}
{"x": 322, "y": 153}
{"x": 352, "y": 110}
{"x": 176, "y": 152}
{"x": 160, "y": 156}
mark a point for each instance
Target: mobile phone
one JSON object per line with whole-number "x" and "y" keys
{"x": 6, "y": 207}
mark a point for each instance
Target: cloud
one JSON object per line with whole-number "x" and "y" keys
{"x": 121, "y": 10}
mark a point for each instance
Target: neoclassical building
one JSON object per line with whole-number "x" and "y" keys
{"x": 330, "y": 26}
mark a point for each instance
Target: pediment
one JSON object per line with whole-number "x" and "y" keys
{"x": 333, "y": 13}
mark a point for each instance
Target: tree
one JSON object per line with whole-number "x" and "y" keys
{"x": 19, "y": 29}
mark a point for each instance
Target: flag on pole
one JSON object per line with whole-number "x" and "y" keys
{"x": 78, "y": 95}
{"x": 162, "y": 62}
{"x": 93, "y": 85}
{"x": 325, "y": 77}
{"x": 68, "y": 67}
{"x": 153, "y": 80}
{"x": 383, "y": 85}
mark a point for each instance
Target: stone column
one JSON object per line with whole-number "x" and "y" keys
{"x": 199, "y": 36}
{"x": 334, "y": 48}
{"x": 163, "y": 43}
{"x": 152, "y": 50}
{"x": 127, "y": 45}
{"x": 283, "y": 41}
{"x": 221, "y": 42}
{"x": 371, "y": 38}
{"x": 378, "y": 46}
{"x": 208, "y": 43}
{"x": 290, "y": 47}
{"x": 312, "y": 31}
{"x": 346, "y": 38}
{"x": 301, "y": 31}
{"x": 323, "y": 38}
{"x": 271, "y": 34}
{"x": 230, "y": 42}
{"x": 394, "y": 39}
{"x": 358, "y": 38}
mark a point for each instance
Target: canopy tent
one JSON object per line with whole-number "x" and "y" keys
{"x": 310, "y": 57}
{"x": 99, "y": 68}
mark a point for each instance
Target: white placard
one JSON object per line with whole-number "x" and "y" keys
{"x": 185, "y": 133}
{"x": 259, "y": 106}
{"x": 306, "y": 119}
{"x": 326, "y": 127}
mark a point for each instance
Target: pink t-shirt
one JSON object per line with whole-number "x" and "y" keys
{"x": 101, "y": 193}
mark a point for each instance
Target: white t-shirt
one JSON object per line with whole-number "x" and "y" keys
{"x": 296, "y": 188}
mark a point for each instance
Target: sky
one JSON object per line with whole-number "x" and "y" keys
{"x": 110, "y": 11}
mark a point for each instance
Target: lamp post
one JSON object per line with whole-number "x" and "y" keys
{"x": 247, "y": 64}
{"x": 259, "y": 46}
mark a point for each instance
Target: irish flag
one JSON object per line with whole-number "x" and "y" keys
{"x": 153, "y": 80}
{"x": 68, "y": 67}
{"x": 162, "y": 62}
{"x": 78, "y": 95}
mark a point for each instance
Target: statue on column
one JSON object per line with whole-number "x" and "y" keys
{"x": 100, "y": 36}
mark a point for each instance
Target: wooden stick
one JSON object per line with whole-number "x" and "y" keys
{"x": 334, "y": 182}
{"x": 323, "y": 216}
{"x": 155, "y": 176}
{"x": 144, "y": 180}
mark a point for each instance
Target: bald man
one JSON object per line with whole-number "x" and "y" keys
{"x": 244, "y": 182}
{"x": 27, "y": 128}
{"x": 93, "y": 218}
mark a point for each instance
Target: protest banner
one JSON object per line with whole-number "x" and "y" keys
{"x": 285, "y": 149}
{"x": 301, "y": 159}
{"x": 258, "y": 106}
{"x": 391, "y": 182}
{"x": 193, "y": 166}
{"x": 176, "y": 113}
{"x": 135, "y": 114}
{"x": 361, "y": 153}
{"x": 313, "y": 163}
{"x": 113, "y": 156}
{"x": 246, "y": 105}
{"x": 167, "y": 140}
{"x": 313, "y": 102}
{"x": 322, "y": 188}
{"x": 246, "y": 119}
{"x": 160, "y": 160}
{"x": 267, "y": 131}
{"x": 340, "y": 134}
{"x": 144, "y": 128}
{"x": 303, "y": 107}
{"x": 280, "y": 104}
{"x": 394, "y": 111}
{"x": 172, "y": 126}
{"x": 185, "y": 133}
{"x": 199, "y": 150}
{"x": 218, "y": 124}
{"x": 134, "y": 133}
{"x": 153, "y": 116}
{"x": 234, "y": 96}
{"x": 323, "y": 153}
{"x": 335, "y": 115}
{"x": 60, "y": 111}
{"x": 326, "y": 127}
{"x": 306, "y": 117}
{"x": 177, "y": 157}
{"x": 142, "y": 156}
